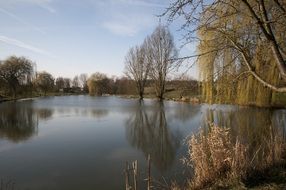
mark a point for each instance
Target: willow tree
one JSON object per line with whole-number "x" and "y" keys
{"x": 246, "y": 41}
{"x": 16, "y": 71}
{"x": 137, "y": 67}
{"x": 162, "y": 54}
{"x": 207, "y": 68}
{"x": 45, "y": 81}
{"x": 97, "y": 84}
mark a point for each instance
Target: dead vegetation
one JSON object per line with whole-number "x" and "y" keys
{"x": 220, "y": 161}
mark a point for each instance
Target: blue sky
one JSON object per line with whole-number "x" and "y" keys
{"x": 70, "y": 37}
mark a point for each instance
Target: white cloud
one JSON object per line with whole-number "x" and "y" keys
{"x": 21, "y": 20}
{"x": 6, "y": 5}
{"x": 47, "y": 7}
{"x": 120, "y": 29}
{"x": 44, "y": 4}
{"x": 127, "y": 17}
{"x": 139, "y": 3}
{"x": 24, "y": 45}
{"x": 129, "y": 24}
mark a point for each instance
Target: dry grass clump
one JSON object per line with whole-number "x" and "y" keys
{"x": 217, "y": 157}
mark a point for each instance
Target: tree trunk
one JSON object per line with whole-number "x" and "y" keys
{"x": 160, "y": 95}
{"x": 14, "y": 91}
{"x": 141, "y": 95}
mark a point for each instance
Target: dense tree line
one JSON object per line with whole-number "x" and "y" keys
{"x": 99, "y": 84}
{"x": 241, "y": 47}
{"x": 18, "y": 78}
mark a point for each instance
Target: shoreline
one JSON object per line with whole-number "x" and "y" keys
{"x": 197, "y": 101}
{"x": 8, "y": 99}
{"x": 189, "y": 100}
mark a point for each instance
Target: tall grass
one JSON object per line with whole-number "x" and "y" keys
{"x": 217, "y": 156}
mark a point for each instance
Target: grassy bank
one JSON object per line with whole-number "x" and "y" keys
{"x": 194, "y": 96}
{"x": 179, "y": 95}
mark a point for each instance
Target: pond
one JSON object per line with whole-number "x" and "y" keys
{"x": 83, "y": 142}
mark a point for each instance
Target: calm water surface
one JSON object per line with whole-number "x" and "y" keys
{"x": 82, "y": 142}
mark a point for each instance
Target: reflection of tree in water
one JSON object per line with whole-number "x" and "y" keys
{"x": 184, "y": 112}
{"x": 150, "y": 133}
{"x": 252, "y": 126}
{"x": 44, "y": 113}
{"x": 100, "y": 113}
{"x": 19, "y": 120}
{"x": 82, "y": 111}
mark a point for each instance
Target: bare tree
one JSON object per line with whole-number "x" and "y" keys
{"x": 161, "y": 53}
{"x": 60, "y": 83}
{"x": 137, "y": 67}
{"x": 83, "y": 81}
{"x": 15, "y": 71}
{"x": 67, "y": 83}
{"x": 75, "y": 82}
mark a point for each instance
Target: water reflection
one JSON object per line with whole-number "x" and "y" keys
{"x": 245, "y": 122}
{"x": 149, "y": 132}
{"x": 44, "y": 113}
{"x": 18, "y": 121}
{"x": 253, "y": 126}
{"x": 184, "y": 112}
{"x": 84, "y": 112}
{"x": 74, "y": 124}
{"x": 99, "y": 113}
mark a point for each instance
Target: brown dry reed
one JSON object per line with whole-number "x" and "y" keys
{"x": 216, "y": 156}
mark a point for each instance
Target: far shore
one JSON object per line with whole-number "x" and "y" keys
{"x": 195, "y": 100}
{"x": 22, "y": 98}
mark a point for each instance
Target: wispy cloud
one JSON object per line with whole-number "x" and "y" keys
{"x": 139, "y": 3}
{"x": 120, "y": 29}
{"x": 24, "y": 45}
{"x": 22, "y": 21}
{"x": 44, "y": 4}
{"x": 128, "y": 17}
{"x": 129, "y": 25}
{"x": 47, "y": 7}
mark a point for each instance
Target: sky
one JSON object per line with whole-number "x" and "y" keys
{"x": 70, "y": 37}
